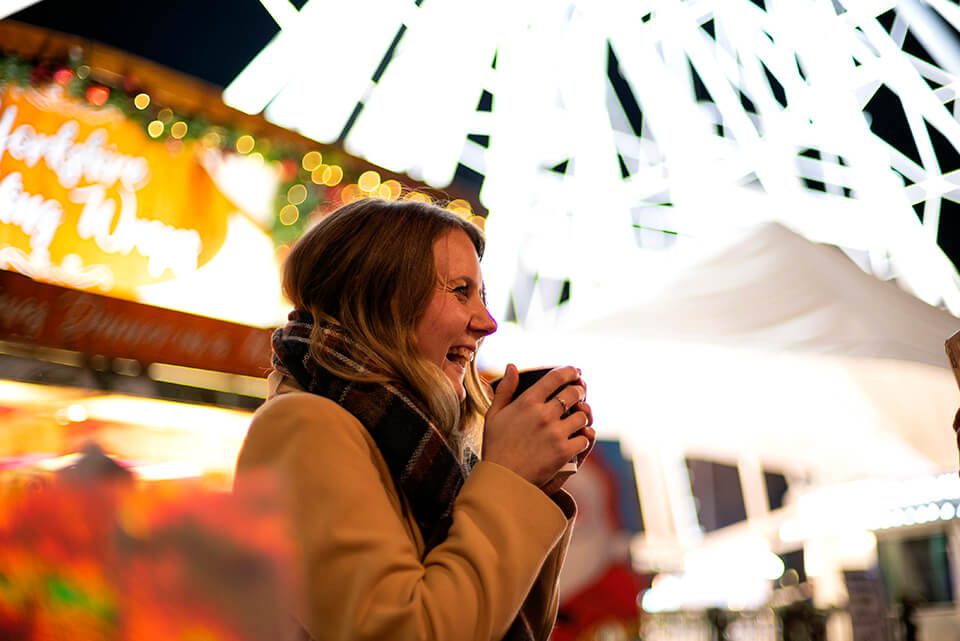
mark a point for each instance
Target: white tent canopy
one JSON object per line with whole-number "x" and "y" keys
{"x": 770, "y": 347}
{"x": 774, "y": 289}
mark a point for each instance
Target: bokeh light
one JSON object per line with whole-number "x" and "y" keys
{"x": 211, "y": 139}
{"x": 289, "y": 214}
{"x": 245, "y": 144}
{"x": 351, "y": 193}
{"x": 98, "y": 95}
{"x": 297, "y": 194}
{"x": 155, "y": 129}
{"x": 369, "y": 181}
{"x": 178, "y": 129}
{"x": 141, "y": 101}
{"x": 418, "y": 196}
{"x": 317, "y": 175}
{"x": 312, "y": 160}
{"x": 460, "y": 207}
{"x": 62, "y": 76}
{"x": 390, "y": 189}
{"x": 336, "y": 175}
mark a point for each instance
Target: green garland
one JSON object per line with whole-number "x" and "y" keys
{"x": 174, "y": 128}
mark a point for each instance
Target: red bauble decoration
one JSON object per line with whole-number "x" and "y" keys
{"x": 62, "y": 76}
{"x": 40, "y": 74}
{"x": 130, "y": 85}
{"x": 288, "y": 169}
{"x": 98, "y": 95}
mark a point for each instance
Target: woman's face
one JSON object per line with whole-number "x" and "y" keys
{"x": 456, "y": 318}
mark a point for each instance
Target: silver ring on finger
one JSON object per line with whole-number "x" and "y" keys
{"x": 563, "y": 404}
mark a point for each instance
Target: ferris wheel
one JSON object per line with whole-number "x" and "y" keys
{"x": 606, "y": 129}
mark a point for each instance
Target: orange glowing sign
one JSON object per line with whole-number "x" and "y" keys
{"x": 87, "y": 199}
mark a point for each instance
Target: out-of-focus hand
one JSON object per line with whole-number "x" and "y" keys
{"x": 529, "y": 435}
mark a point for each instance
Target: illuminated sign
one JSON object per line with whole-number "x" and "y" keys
{"x": 88, "y": 200}
{"x": 52, "y": 316}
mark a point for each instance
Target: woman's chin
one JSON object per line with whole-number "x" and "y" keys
{"x": 458, "y": 388}
{"x": 455, "y": 374}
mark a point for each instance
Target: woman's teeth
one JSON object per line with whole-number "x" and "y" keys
{"x": 460, "y": 356}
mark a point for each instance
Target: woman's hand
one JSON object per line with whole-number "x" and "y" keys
{"x": 530, "y": 436}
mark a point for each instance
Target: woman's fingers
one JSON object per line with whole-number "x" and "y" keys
{"x": 551, "y": 382}
{"x": 584, "y": 407}
{"x": 567, "y": 399}
{"x": 504, "y": 392}
{"x": 590, "y": 434}
{"x": 576, "y": 421}
{"x": 542, "y": 430}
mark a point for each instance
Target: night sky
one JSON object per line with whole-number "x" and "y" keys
{"x": 210, "y": 39}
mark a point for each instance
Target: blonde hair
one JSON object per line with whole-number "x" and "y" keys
{"x": 369, "y": 268}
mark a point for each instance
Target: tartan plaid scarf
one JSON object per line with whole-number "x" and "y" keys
{"x": 421, "y": 462}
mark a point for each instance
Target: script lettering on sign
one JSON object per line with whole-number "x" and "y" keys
{"x": 87, "y": 199}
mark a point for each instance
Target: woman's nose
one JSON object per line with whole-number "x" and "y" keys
{"x": 483, "y": 323}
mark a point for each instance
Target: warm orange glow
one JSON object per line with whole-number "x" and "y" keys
{"x": 59, "y": 421}
{"x": 27, "y": 394}
{"x": 155, "y": 128}
{"x": 351, "y": 193}
{"x": 142, "y": 101}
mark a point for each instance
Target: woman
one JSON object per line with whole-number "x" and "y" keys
{"x": 373, "y": 425}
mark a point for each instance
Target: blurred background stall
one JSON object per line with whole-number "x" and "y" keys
{"x": 738, "y": 217}
{"x": 143, "y": 224}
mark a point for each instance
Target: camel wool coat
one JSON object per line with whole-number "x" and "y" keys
{"x": 361, "y": 553}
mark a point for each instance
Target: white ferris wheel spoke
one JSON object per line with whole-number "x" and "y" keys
{"x": 721, "y": 113}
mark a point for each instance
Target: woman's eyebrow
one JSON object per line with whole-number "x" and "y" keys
{"x": 454, "y": 282}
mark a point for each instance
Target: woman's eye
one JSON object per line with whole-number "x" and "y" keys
{"x": 463, "y": 291}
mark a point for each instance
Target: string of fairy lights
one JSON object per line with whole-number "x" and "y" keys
{"x": 311, "y": 182}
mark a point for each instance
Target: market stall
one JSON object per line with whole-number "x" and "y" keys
{"x": 142, "y": 228}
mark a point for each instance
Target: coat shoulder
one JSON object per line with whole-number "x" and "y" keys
{"x": 300, "y": 419}
{"x": 301, "y": 405}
